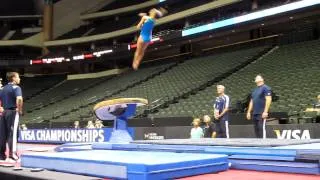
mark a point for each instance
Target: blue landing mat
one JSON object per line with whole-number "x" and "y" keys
{"x": 301, "y": 146}
{"x": 70, "y": 147}
{"x": 260, "y": 157}
{"x": 197, "y": 149}
{"x": 309, "y": 155}
{"x": 150, "y": 147}
{"x": 73, "y": 148}
{"x": 235, "y": 142}
{"x": 276, "y": 166}
{"x": 128, "y": 164}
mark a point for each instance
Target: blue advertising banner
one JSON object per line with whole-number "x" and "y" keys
{"x": 66, "y": 135}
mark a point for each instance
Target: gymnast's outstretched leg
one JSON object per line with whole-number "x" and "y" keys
{"x": 138, "y": 55}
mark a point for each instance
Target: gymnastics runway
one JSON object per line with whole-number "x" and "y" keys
{"x": 173, "y": 159}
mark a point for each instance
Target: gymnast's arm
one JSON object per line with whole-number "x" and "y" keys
{"x": 142, "y": 14}
{"x": 141, "y": 22}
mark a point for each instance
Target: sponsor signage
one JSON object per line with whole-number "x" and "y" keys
{"x": 66, "y": 135}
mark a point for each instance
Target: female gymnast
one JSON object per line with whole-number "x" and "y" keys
{"x": 145, "y": 25}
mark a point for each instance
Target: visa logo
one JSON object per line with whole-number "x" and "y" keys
{"x": 292, "y": 134}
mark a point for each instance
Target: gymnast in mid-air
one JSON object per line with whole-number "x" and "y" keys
{"x": 146, "y": 25}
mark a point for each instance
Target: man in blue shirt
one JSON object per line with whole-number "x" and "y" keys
{"x": 11, "y": 101}
{"x": 221, "y": 115}
{"x": 316, "y": 104}
{"x": 259, "y": 106}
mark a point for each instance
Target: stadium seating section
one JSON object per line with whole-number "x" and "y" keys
{"x": 190, "y": 76}
{"x": 292, "y": 71}
{"x": 16, "y": 30}
{"x": 3, "y": 31}
{"x": 20, "y": 35}
{"x": 80, "y": 105}
{"x": 62, "y": 90}
{"x": 185, "y": 88}
{"x": 33, "y": 86}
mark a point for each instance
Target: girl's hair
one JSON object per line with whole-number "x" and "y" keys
{"x": 196, "y": 120}
{"x": 160, "y": 12}
{"x": 206, "y": 116}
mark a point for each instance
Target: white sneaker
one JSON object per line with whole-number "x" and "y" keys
{"x": 10, "y": 160}
{"x": 14, "y": 157}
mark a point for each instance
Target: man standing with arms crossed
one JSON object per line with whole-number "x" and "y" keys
{"x": 221, "y": 114}
{"x": 12, "y": 101}
{"x": 259, "y": 107}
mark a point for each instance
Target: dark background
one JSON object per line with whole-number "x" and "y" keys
{"x": 21, "y": 7}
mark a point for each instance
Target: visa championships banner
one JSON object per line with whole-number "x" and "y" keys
{"x": 66, "y": 135}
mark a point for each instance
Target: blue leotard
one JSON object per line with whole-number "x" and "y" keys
{"x": 146, "y": 30}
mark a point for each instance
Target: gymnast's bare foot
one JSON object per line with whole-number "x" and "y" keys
{"x": 135, "y": 66}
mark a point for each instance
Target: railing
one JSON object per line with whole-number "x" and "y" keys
{"x": 166, "y": 57}
{"x": 277, "y": 36}
{"x": 21, "y": 17}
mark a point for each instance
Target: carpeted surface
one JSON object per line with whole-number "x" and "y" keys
{"x": 239, "y": 142}
{"x": 252, "y": 175}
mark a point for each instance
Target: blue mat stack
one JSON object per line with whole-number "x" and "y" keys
{"x": 298, "y": 159}
{"x": 163, "y": 161}
{"x": 128, "y": 164}
{"x": 276, "y": 163}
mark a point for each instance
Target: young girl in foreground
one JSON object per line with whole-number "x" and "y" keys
{"x": 196, "y": 131}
